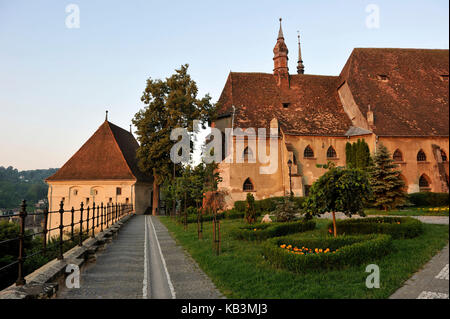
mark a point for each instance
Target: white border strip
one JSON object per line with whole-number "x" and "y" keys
{"x": 172, "y": 290}
{"x": 145, "y": 281}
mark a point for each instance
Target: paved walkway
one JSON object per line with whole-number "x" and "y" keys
{"x": 440, "y": 220}
{"x": 143, "y": 262}
{"x": 429, "y": 283}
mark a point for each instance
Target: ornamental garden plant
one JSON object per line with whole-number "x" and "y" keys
{"x": 260, "y": 232}
{"x": 299, "y": 255}
{"x": 397, "y": 227}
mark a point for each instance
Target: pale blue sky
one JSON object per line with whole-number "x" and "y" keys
{"x": 56, "y": 83}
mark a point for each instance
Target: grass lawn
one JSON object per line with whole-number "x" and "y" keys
{"x": 416, "y": 211}
{"x": 241, "y": 272}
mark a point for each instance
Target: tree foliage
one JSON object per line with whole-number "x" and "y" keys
{"x": 358, "y": 154}
{"x": 387, "y": 185}
{"x": 169, "y": 104}
{"x": 250, "y": 209}
{"x": 339, "y": 190}
{"x": 18, "y": 185}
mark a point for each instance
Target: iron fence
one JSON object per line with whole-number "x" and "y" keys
{"x": 89, "y": 220}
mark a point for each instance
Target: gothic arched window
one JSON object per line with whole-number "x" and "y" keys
{"x": 398, "y": 156}
{"x": 308, "y": 153}
{"x": 421, "y": 157}
{"x": 331, "y": 153}
{"x": 248, "y": 185}
{"x": 424, "y": 182}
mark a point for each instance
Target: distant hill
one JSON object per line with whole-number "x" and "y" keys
{"x": 17, "y": 185}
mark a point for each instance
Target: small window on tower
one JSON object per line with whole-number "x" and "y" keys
{"x": 383, "y": 77}
{"x": 285, "y": 105}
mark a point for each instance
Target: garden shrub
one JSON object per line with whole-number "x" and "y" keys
{"x": 351, "y": 250}
{"x": 285, "y": 210}
{"x": 233, "y": 214}
{"x": 429, "y": 199}
{"x": 264, "y": 231}
{"x": 397, "y": 227}
{"x": 267, "y": 205}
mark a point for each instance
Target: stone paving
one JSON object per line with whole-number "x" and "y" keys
{"x": 429, "y": 283}
{"x": 143, "y": 262}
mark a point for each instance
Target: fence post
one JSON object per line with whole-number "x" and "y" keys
{"x": 72, "y": 212}
{"x": 101, "y": 217}
{"x": 87, "y": 221}
{"x": 81, "y": 225}
{"x": 107, "y": 216}
{"x": 98, "y": 214}
{"x": 23, "y": 214}
{"x": 93, "y": 219}
{"x": 61, "y": 227}
{"x": 45, "y": 229}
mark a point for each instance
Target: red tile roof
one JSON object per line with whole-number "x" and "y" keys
{"x": 412, "y": 100}
{"x": 403, "y": 88}
{"x": 314, "y": 107}
{"x": 110, "y": 154}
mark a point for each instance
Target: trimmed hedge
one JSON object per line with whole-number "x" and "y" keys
{"x": 353, "y": 250}
{"x": 397, "y": 227}
{"x": 267, "y": 205}
{"x": 264, "y": 231}
{"x": 429, "y": 199}
{"x": 228, "y": 214}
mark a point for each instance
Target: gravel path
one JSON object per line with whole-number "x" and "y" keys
{"x": 143, "y": 262}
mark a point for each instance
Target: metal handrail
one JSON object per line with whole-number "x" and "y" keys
{"x": 94, "y": 218}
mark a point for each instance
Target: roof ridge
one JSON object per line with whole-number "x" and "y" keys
{"x": 118, "y": 146}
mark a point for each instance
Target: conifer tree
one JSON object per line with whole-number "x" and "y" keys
{"x": 387, "y": 185}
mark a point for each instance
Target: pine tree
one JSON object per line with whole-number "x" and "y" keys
{"x": 358, "y": 155}
{"x": 348, "y": 154}
{"x": 387, "y": 185}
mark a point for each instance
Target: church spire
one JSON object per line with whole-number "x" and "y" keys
{"x": 280, "y": 33}
{"x": 280, "y": 59}
{"x": 300, "y": 66}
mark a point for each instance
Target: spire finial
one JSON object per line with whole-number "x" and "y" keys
{"x": 300, "y": 66}
{"x": 280, "y": 33}
{"x": 106, "y": 117}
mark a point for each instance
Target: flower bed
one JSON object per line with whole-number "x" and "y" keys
{"x": 264, "y": 231}
{"x": 397, "y": 227}
{"x": 300, "y": 255}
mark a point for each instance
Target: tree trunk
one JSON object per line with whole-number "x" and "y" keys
{"x": 334, "y": 224}
{"x": 155, "y": 198}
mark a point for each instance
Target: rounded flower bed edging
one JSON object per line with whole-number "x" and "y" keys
{"x": 397, "y": 227}
{"x": 325, "y": 253}
{"x": 265, "y": 231}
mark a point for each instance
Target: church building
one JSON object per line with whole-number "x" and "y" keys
{"x": 398, "y": 97}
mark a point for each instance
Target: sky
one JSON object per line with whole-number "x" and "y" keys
{"x": 57, "y": 77}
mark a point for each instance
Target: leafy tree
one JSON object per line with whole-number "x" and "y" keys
{"x": 169, "y": 104}
{"x": 250, "y": 210}
{"x": 387, "y": 185}
{"x": 339, "y": 190}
